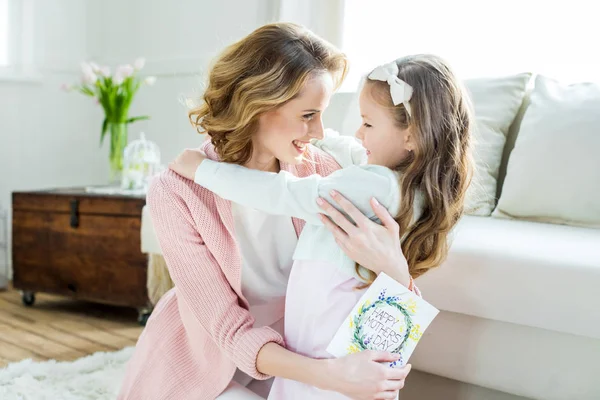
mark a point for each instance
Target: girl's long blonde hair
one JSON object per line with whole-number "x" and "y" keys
{"x": 261, "y": 72}
{"x": 440, "y": 166}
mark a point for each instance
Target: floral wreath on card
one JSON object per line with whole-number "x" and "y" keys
{"x": 361, "y": 342}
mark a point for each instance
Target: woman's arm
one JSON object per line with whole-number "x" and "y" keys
{"x": 285, "y": 194}
{"x": 199, "y": 279}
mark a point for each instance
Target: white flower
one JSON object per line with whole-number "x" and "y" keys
{"x": 89, "y": 76}
{"x": 127, "y": 70}
{"x": 86, "y": 68}
{"x": 94, "y": 67}
{"x": 90, "y": 79}
{"x": 123, "y": 72}
{"x": 105, "y": 71}
{"x": 139, "y": 63}
{"x": 151, "y": 80}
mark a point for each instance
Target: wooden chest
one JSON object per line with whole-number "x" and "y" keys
{"x": 87, "y": 246}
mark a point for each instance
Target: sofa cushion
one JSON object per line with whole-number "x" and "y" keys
{"x": 553, "y": 173}
{"x": 511, "y": 137}
{"x": 496, "y": 102}
{"x": 540, "y": 275}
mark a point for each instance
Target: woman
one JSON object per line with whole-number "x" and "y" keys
{"x": 230, "y": 265}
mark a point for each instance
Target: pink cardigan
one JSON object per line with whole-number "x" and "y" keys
{"x": 200, "y": 330}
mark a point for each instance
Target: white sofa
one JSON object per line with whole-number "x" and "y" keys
{"x": 519, "y": 296}
{"x": 520, "y": 310}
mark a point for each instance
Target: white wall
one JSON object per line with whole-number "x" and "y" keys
{"x": 49, "y": 138}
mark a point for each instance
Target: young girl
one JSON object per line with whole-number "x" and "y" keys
{"x": 415, "y": 162}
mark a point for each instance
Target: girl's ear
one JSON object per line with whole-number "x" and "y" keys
{"x": 409, "y": 143}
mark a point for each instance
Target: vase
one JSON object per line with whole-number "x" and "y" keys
{"x": 118, "y": 142}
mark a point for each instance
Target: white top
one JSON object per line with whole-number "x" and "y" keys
{"x": 285, "y": 194}
{"x": 266, "y": 243}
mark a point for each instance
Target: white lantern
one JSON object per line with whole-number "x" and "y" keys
{"x": 141, "y": 161}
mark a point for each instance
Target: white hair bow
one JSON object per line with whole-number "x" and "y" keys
{"x": 401, "y": 91}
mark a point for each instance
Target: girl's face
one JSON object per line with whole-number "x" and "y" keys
{"x": 386, "y": 143}
{"x": 284, "y": 133}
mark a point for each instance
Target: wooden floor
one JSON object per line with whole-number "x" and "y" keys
{"x": 62, "y": 329}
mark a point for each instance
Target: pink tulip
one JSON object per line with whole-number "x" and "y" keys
{"x": 95, "y": 67}
{"x": 139, "y": 63}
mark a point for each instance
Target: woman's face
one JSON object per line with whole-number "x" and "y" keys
{"x": 386, "y": 143}
{"x": 284, "y": 133}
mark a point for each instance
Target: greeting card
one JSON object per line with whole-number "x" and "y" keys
{"x": 388, "y": 317}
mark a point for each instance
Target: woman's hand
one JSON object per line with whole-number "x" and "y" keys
{"x": 187, "y": 163}
{"x": 362, "y": 376}
{"x": 374, "y": 246}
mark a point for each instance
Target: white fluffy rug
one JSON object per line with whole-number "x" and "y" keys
{"x": 95, "y": 377}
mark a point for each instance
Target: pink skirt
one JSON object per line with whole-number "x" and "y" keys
{"x": 319, "y": 298}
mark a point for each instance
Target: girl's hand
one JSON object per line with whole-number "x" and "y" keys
{"x": 361, "y": 376}
{"x": 375, "y": 247}
{"x": 187, "y": 163}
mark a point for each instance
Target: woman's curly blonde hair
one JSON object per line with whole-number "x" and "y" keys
{"x": 259, "y": 73}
